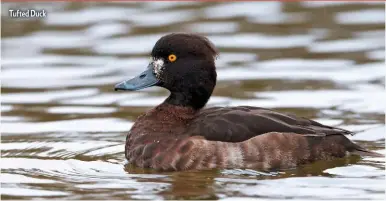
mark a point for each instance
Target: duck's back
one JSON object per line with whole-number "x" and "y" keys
{"x": 236, "y": 124}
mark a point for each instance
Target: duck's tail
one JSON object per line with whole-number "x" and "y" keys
{"x": 359, "y": 150}
{"x": 363, "y": 152}
{"x": 345, "y": 143}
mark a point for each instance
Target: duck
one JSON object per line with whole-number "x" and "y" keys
{"x": 180, "y": 134}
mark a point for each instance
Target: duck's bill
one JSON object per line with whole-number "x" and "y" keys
{"x": 143, "y": 80}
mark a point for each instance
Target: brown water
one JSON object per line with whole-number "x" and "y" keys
{"x": 63, "y": 127}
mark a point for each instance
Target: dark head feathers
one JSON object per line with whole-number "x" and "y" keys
{"x": 184, "y": 45}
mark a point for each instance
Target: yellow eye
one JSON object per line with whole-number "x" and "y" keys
{"x": 172, "y": 58}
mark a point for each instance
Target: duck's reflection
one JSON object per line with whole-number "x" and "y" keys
{"x": 210, "y": 184}
{"x": 184, "y": 184}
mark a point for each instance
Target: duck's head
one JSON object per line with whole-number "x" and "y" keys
{"x": 183, "y": 64}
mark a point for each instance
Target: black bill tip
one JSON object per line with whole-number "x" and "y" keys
{"x": 144, "y": 80}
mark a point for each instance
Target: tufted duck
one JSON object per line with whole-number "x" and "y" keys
{"x": 180, "y": 135}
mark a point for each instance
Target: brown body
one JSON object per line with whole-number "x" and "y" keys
{"x": 180, "y": 139}
{"x": 180, "y": 135}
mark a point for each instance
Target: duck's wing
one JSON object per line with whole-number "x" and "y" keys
{"x": 236, "y": 124}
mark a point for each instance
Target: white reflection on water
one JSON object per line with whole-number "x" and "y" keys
{"x": 155, "y": 19}
{"x": 281, "y": 18}
{"x": 376, "y": 54}
{"x": 213, "y": 27}
{"x": 27, "y": 62}
{"x": 245, "y": 9}
{"x": 88, "y": 16}
{"x": 55, "y": 72}
{"x": 53, "y": 40}
{"x": 335, "y": 3}
{"x": 358, "y": 171}
{"x": 12, "y": 178}
{"x": 370, "y": 16}
{"x": 80, "y": 110}
{"x": 154, "y": 5}
{"x": 77, "y": 125}
{"x": 38, "y": 97}
{"x": 347, "y": 45}
{"x": 27, "y": 192}
{"x": 358, "y": 73}
{"x": 64, "y": 149}
{"x": 83, "y": 175}
{"x": 48, "y": 83}
{"x": 143, "y": 44}
{"x": 355, "y": 100}
{"x": 307, "y": 187}
{"x": 5, "y": 108}
{"x": 107, "y": 30}
{"x": 104, "y": 99}
{"x": 244, "y": 40}
{"x": 304, "y": 64}
{"x": 371, "y": 133}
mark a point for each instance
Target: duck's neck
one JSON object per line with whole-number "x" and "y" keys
{"x": 195, "y": 100}
{"x": 179, "y": 107}
{"x": 166, "y": 113}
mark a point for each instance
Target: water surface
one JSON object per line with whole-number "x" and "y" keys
{"x": 63, "y": 127}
